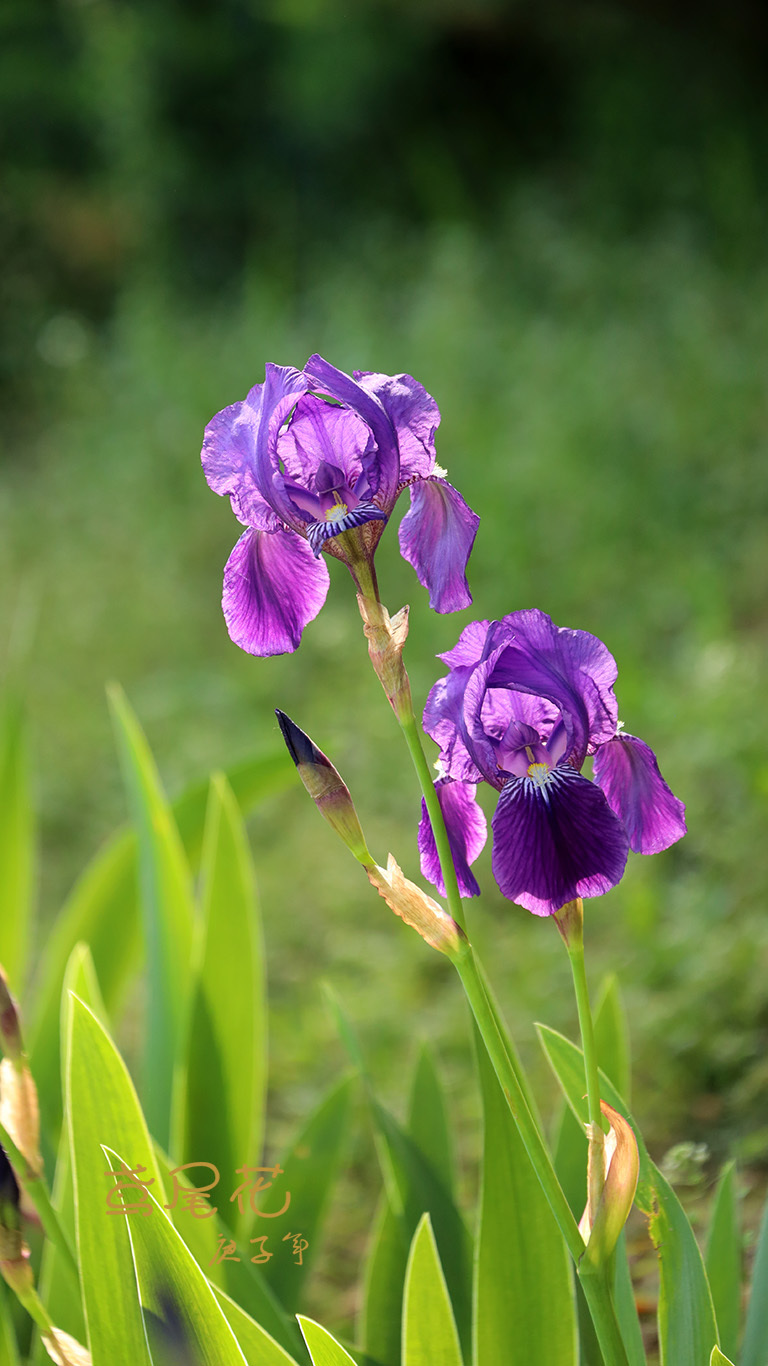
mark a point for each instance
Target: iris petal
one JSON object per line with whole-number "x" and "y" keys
{"x": 228, "y": 460}
{"x": 467, "y": 833}
{"x": 628, "y": 773}
{"x": 555, "y": 840}
{"x": 382, "y": 465}
{"x": 415, "y": 417}
{"x": 273, "y": 586}
{"x": 436, "y": 537}
{"x": 573, "y": 669}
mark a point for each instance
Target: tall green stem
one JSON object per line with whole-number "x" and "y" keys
{"x": 411, "y": 731}
{"x": 570, "y": 921}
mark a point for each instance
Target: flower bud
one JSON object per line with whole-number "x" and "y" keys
{"x": 326, "y": 788}
{"x": 10, "y": 1217}
{"x": 617, "y": 1195}
{"x": 418, "y": 910}
{"x": 10, "y": 1029}
{"x": 19, "y": 1112}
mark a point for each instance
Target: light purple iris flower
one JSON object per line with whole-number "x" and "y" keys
{"x": 524, "y": 703}
{"x": 314, "y": 460}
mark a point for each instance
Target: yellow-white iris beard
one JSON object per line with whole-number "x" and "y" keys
{"x": 336, "y": 510}
{"x": 539, "y": 773}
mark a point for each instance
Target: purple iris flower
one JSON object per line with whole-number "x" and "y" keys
{"x": 524, "y": 703}
{"x": 314, "y": 460}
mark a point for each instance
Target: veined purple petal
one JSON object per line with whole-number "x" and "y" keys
{"x": 627, "y": 771}
{"x": 469, "y": 647}
{"x": 228, "y": 455}
{"x": 573, "y": 669}
{"x": 283, "y": 387}
{"x": 322, "y": 433}
{"x": 467, "y": 833}
{"x": 273, "y": 586}
{"x": 415, "y": 417}
{"x": 443, "y": 721}
{"x": 555, "y": 840}
{"x": 436, "y": 537}
{"x": 382, "y": 465}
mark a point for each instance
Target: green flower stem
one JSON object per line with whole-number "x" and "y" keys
{"x": 36, "y": 1309}
{"x": 35, "y": 1188}
{"x": 572, "y": 930}
{"x": 412, "y": 733}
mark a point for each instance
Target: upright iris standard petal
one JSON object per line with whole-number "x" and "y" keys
{"x": 628, "y": 773}
{"x": 573, "y": 669}
{"x": 414, "y": 415}
{"x": 384, "y": 469}
{"x": 467, "y": 832}
{"x": 554, "y": 840}
{"x": 273, "y": 586}
{"x": 436, "y": 537}
{"x": 228, "y": 461}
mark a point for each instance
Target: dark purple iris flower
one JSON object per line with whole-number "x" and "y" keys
{"x": 314, "y": 460}
{"x": 524, "y": 703}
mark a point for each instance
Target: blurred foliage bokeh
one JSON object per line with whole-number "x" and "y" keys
{"x": 554, "y": 216}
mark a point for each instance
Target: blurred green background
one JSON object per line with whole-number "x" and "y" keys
{"x": 554, "y": 216}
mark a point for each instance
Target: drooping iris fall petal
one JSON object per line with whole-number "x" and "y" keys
{"x": 273, "y": 586}
{"x": 467, "y": 832}
{"x": 436, "y": 537}
{"x": 628, "y": 773}
{"x": 555, "y": 840}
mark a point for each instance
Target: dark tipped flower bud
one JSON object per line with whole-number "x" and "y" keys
{"x": 10, "y": 1029}
{"x": 326, "y": 788}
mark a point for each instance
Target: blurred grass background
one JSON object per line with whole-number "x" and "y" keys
{"x": 554, "y": 217}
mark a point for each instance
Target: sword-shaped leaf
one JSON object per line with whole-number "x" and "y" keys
{"x": 429, "y": 1328}
{"x": 226, "y": 1067}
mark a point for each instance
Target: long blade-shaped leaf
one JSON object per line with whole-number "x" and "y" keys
{"x": 612, "y": 1036}
{"x": 387, "y": 1259}
{"x": 258, "y": 1347}
{"x": 101, "y": 911}
{"x": 311, "y": 1164}
{"x": 429, "y": 1328}
{"x": 428, "y": 1118}
{"x": 323, "y": 1349}
{"x": 723, "y": 1261}
{"x": 414, "y": 1187}
{"x": 754, "y": 1351}
{"x": 521, "y": 1263}
{"x": 181, "y": 1313}
{"x": 64, "y": 1307}
{"x": 168, "y": 915}
{"x": 17, "y": 844}
{"x": 9, "y": 1351}
{"x": 687, "y": 1327}
{"x": 226, "y": 1071}
{"x": 102, "y": 1107}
